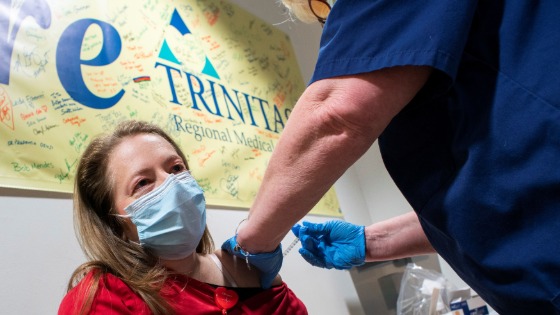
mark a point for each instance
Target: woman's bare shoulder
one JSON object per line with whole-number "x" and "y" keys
{"x": 239, "y": 270}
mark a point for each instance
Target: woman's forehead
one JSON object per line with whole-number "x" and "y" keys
{"x": 140, "y": 149}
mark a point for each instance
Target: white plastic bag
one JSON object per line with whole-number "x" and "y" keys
{"x": 423, "y": 292}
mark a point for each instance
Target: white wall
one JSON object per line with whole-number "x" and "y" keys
{"x": 39, "y": 250}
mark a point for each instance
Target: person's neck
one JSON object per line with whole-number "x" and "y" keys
{"x": 189, "y": 265}
{"x": 197, "y": 266}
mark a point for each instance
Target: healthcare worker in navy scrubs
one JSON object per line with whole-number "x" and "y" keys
{"x": 464, "y": 98}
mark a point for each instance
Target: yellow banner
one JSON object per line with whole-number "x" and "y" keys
{"x": 219, "y": 80}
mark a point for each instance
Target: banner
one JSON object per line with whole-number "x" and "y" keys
{"x": 219, "y": 80}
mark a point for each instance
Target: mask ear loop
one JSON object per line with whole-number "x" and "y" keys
{"x": 240, "y": 249}
{"x": 247, "y": 254}
{"x": 125, "y": 216}
{"x": 239, "y": 224}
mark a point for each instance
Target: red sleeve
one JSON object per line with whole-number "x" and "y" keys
{"x": 113, "y": 296}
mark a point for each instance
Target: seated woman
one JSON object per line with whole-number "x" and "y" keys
{"x": 141, "y": 221}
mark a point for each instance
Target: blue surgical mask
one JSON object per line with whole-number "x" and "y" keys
{"x": 171, "y": 218}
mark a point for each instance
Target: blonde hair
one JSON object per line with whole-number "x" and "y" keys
{"x": 301, "y": 10}
{"x": 101, "y": 233}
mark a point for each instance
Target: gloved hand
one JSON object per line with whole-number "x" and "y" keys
{"x": 269, "y": 264}
{"x": 334, "y": 244}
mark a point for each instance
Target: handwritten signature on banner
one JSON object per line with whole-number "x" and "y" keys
{"x": 217, "y": 79}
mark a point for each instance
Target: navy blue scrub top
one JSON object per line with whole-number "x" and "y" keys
{"x": 477, "y": 152}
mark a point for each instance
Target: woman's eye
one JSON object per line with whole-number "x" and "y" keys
{"x": 140, "y": 184}
{"x": 177, "y": 168}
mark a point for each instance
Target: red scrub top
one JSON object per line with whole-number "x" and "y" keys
{"x": 186, "y": 295}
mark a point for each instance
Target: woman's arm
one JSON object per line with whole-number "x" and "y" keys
{"x": 333, "y": 124}
{"x": 242, "y": 274}
{"x": 395, "y": 238}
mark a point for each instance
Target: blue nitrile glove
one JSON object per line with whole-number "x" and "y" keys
{"x": 269, "y": 264}
{"x": 334, "y": 244}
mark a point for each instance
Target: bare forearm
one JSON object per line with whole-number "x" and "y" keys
{"x": 396, "y": 238}
{"x": 306, "y": 163}
{"x": 333, "y": 124}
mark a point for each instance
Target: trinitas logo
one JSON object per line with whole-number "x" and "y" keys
{"x": 179, "y": 57}
{"x": 205, "y": 90}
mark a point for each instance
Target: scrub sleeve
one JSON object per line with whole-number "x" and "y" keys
{"x": 477, "y": 152}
